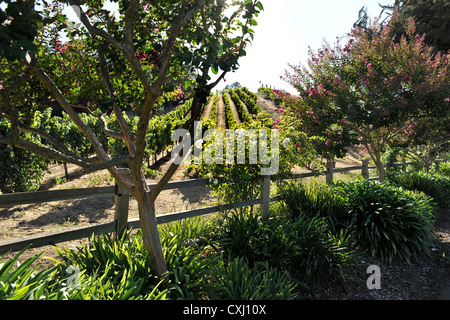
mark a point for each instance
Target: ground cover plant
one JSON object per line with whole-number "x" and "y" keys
{"x": 390, "y": 222}
{"x": 282, "y": 257}
{"x": 433, "y": 184}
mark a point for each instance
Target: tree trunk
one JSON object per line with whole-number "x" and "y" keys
{"x": 150, "y": 233}
{"x": 66, "y": 171}
{"x": 380, "y": 167}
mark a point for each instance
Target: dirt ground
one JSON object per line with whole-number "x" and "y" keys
{"x": 428, "y": 278}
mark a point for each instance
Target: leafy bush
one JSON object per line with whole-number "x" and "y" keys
{"x": 21, "y": 170}
{"x": 231, "y": 121}
{"x": 269, "y": 95}
{"x": 303, "y": 247}
{"x": 434, "y": 185}
{"x": 22, "y": 282}
{"x": 389, "y": 221}
{"x": 316, "y": 199}
{"x": 444, "y": 169}
{"x": 237, "y": 281}
{"x": 104, "y": 258}
{"x": 123, "y": 262}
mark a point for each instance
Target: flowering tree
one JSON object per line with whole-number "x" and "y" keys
{"x": 125, "y": 61}
{"x": 372, "y": 87}
{"x": 427, "y": 140}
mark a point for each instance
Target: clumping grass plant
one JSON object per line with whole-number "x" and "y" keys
{"x": 443, "y": 169}
{"x": 390, "y": 222}
{"x": 235, "y": 280}
{"x": 304, "y": 247}
{"x": 433, "y": 184}
{"x": 316, "y": 199}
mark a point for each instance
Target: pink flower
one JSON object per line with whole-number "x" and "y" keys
{"x": 447, "y": 100}
{"x": 328, "y": 143}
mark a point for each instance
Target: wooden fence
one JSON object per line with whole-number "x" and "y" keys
{"x": 121, "y": 221}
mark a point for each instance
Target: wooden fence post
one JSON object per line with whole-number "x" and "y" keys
{"x": 265, "y": 195}
{"x": 122, "y": 200}
{"x": 329, "y": 173}
{"x": 365, "y": 169}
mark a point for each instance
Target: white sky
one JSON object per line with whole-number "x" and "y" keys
{"x": 285, "y": 30}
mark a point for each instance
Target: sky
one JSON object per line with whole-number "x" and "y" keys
{"x": 286, "y": 29}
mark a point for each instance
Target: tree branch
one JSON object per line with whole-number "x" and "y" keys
{"x": 128, "y": 19}
{"x": 127, "y": 136}
{"x": 16, "y": 84}
{"x": 127, "y": 51}
{"x": 58, "y": 145}
{"x": 59, "y": 156}
{"x": 54, "y": 90}
{"x": 108, "y": 132}
{"x": 156, "y": 91}
{"x": 98, "y": 32}
{"x": 156, "y": 190}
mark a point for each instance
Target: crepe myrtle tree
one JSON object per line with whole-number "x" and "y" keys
{"x": 374, "y": 87}
{"x": 149, "y": 44}
{"x": 426, "y": 141}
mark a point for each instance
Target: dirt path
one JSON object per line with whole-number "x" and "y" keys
{"x": 207, "y": 110}
{"x": 234, "y": 110}
{"x": 267, "y": 105}
{"x": 221, "y": 118}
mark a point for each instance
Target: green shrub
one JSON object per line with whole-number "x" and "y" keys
{"x": 392, "y": 223}
{"x": 237, "y": 281}
{"x": 315, "y": 200}
{"x": 20, "y": 281}
{"x": 444, "y": 169}
{"x": 432, "y": 184}
{"x": 304, "y": 247}
{"x": 103, "y": 258}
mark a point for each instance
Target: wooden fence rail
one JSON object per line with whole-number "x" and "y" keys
{"x": 121, "y": 221}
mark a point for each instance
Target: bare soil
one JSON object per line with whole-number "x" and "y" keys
{"x": 207, "y": 110}
{"x": 234, "y": 110}
{"x": 221, "y": 117}
{"x": 267, "y": 105}
{"x": 428, "y": 278}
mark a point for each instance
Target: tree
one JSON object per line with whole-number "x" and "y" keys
{"x": 431, "y": 18}
{"x": 373, "y": 86}
{"x": 234, "y": 85}
{"x": 426, "y": 141}
{"x": 134, "y": 57}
